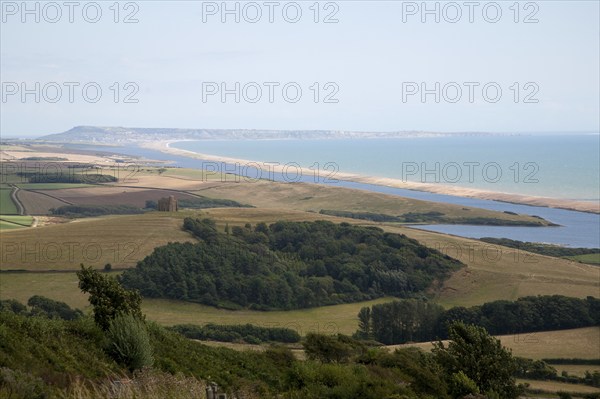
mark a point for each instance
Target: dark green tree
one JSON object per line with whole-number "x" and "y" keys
{"x": 12, "y": 305}
{"x": 364, "y": 324}
{"x": 481, "y": 358}
{"x": 108, "y": 297}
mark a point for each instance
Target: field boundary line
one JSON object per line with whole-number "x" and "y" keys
{"x": 51, "y": 196}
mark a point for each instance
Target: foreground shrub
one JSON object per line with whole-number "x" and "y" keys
{"x": 148, "y": 384}
{"x": 129, "y": 343}
{"x": 16, "y": 384}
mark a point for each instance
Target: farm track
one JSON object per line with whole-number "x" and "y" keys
{"x": 17, "y": 202}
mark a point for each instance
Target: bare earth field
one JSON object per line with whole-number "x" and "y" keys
{"x": 37, "y": 203}
{"x": 101, "y": 195}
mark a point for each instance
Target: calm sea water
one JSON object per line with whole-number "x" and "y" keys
{"x": 558, "y": 166}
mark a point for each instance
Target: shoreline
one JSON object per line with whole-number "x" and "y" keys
{"x": 571, "y": 205}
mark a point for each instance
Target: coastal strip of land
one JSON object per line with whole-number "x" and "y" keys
{"x": 574, "y": 205}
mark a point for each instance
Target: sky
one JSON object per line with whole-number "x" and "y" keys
{"x": 342, "y": 65}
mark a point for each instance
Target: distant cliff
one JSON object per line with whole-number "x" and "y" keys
{"x": 102, "y": 134}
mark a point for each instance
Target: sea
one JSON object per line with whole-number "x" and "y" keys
{"x": 556, "y": 166}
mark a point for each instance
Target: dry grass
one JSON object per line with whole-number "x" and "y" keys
{"x": 582, "y": 343}
{"x": 577, "y": 369}
{"x": 119, "y": 240}
{"x": 312, "y": 197}
{"x": 57, "y": 286}
{"x": 496, "y": 272}
{"x": 147, "y": 384}
{"x": 554, "y": 386}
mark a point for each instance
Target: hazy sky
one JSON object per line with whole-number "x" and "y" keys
{"x": 374, "y": 61}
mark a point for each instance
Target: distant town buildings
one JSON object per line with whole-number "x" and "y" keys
{"x": 168, "y": 204}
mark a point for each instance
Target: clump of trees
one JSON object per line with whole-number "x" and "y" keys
{"x": 288, "y": 265}
{"x": 95, "y": 210}
{"x": 70, "y": 178}
{"x": 41, "y": 306}
{"x": 417, "y": 320}
{"x": 543, "y": 249}
{"x": 201, "y": 202}
{"x": 431, "y": 217}
{"x": 237, "y": 333}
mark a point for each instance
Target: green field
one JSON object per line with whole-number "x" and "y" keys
{"x": 9, "y": 226}
{"x": 7, "y": 206}
{"x": 326, "y": 319}
{"x": 21, "y": 221}
{"x": 58, "y": 286}
{"x": 593, "y": 259}
{"x": 51, "y": 186}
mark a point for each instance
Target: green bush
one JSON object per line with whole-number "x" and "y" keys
{"x": 40, "y": 305}
{"x": 13, "y": 305}
{"x": 129, "y": 342}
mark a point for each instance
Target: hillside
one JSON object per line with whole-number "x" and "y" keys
{"x": 112, "y": 135}
{"x": 42, "y": 357}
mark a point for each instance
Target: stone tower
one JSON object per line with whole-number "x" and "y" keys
{"x": 168, "y": 204}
